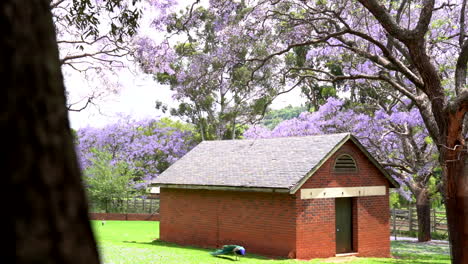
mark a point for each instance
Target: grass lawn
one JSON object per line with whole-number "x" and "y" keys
{"x": 135, "y": 242}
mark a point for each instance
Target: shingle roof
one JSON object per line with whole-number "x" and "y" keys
{"x": 276, "y": 163}
{"x": 261, "y": 163}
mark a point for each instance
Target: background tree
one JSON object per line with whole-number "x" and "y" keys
{"x": 216, "y": 93}
{"x": 418, "y": 48}
{"x": 50, "y": 217}
{"x": 273, "y": 117}
{"x": 109, "y": 182}
{"x": 396, "y": 137}
{"x": 147, "y": 147}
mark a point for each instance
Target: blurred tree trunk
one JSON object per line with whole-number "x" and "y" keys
{"x": 50, "y": 215}
{"x": 423, "y": 209}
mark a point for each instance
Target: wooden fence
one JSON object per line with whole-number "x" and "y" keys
{"x": 132, "y": 205}
{"x": 404, "y": 220}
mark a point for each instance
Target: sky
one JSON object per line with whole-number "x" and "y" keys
{"x": 136, "y": 98}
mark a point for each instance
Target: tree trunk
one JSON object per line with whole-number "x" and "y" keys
{"x": 49, "y": 215}
{"x": 453, "y": 158}
{"x": 456, "y": 204}
{"x": 233, "y": 136}
{"x": 423, "y": 210}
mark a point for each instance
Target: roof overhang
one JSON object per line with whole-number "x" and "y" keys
{"x": 393, "y": 183}
{"x": 222, "y": 188}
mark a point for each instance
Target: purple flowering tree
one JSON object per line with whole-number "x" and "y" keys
{"x": 216, "y": 92}
{"x": 416, "y": 48}
{"x": 395, "y": 136}
{"x": 147, "y": 147}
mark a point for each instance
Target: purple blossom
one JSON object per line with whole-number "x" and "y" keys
{"x": 145, "y": 145}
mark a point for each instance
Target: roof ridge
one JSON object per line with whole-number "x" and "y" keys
{"x": 273, "y": 138}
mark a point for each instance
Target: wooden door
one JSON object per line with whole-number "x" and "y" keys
{"x": 344, "y": 225}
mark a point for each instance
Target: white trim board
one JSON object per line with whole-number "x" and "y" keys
{"x": 317, "y": 193}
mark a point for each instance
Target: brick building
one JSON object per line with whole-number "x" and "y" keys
{"x": 297, "y": 197}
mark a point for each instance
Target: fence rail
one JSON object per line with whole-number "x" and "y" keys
{"x": 404, "y": 220}
{"x": 132, "y": 205}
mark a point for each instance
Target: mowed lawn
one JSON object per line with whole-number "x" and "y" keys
{"x": 136, "y": 242}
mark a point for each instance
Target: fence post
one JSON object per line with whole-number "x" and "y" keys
{"x": 434, "y": 219}
{"x": 394, "y": 223}
{"x": 134, "y": 204}
{"x": 144, "y": 200}
{"x": 126, "y": 211}
{"x": 410, "y": 212}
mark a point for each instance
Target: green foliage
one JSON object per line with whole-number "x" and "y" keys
{"x": 435, "y": 180}
{"x": 274, "y": 117}
{"x": 124, "y": 17}
{"x": 105, "y": 181}
{"x": 165, "y": 78}
{"x": 74, "y": 135}
{"x": 186, "y": 49}
{"x": 301, "y": 53}
{"x": 397, "y": 200}
{"x": 176, "y": 126}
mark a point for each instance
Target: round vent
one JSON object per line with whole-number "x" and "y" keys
{"x": 345, "y": 163}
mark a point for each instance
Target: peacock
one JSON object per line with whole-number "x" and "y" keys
{"x": 229, "y": 250}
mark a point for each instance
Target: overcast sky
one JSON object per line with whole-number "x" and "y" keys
{"x": 137, "y": 99}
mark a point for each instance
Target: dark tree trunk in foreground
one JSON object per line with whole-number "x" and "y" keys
{"x": 50, "y": 215}
{"x": 423, "y": 209}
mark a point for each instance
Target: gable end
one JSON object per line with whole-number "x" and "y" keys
{"x": 393, "y": 183}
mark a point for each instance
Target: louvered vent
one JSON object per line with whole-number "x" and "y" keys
{"x": 345, "y": 163}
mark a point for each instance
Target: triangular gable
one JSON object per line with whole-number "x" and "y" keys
{"x": 393, "y": 183}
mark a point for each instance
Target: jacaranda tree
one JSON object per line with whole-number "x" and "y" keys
{"x": 418, "y": 48}
{"x": 146, "y": 147}
{"x": 395, "y": 135}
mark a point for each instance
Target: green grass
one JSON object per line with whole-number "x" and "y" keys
{"x": 135, "y": 242}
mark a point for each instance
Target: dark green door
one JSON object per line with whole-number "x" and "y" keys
{"x": 344, "y": 225}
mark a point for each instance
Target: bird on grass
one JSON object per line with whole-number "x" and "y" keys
{"x": 230, "y": 250}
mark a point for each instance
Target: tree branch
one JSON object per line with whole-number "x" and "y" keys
{"x": 56, "y": 4}
{"x": 397, "y": 63}
{"x": 70, "y": 106}
{"x": 291, "y": 46}
{"x": 386, "y": 20}
{"x": 461, "y": 68}
{"x": 461, "y": 40}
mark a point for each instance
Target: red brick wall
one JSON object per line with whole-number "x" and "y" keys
{"x": 123, "y": 217}
{"x": 316, "y": 217}
{"x": 315, "y": 228}
{"x": 373, "y": 227}
{"x": 262, "y": 222}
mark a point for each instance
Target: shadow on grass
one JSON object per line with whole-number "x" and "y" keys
{"x": 224, "y": 257}
{"x": 160, "y": 243}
